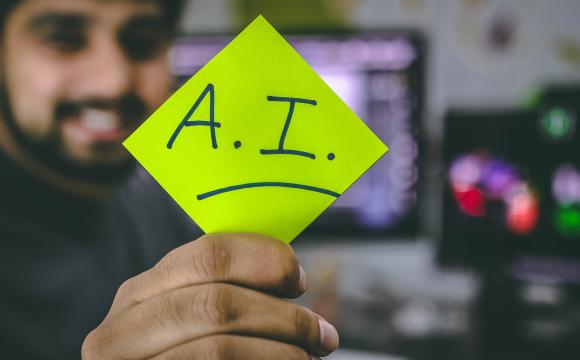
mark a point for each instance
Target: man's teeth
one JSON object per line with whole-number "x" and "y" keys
{"x": 98, "y": 120}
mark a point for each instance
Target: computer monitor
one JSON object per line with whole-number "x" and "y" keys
{"x": 512, "y": 191}
{"x": 380, "y": 76}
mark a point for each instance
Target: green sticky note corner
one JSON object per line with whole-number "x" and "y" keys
{"x": 255, "y": 141}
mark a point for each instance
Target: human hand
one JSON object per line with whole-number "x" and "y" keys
{"x": 219, "y": 297}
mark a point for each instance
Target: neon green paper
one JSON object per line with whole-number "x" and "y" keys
{"x": 280, "y": 194}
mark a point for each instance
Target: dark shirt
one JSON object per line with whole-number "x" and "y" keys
{"x": 62, "y": 258}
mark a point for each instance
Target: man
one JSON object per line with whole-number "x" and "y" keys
{"x": 77, "y": 219}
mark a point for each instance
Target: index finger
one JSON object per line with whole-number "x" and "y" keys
{"x": 250, "y": 260}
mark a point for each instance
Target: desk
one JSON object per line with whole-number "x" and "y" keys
{"x": 355, "y": 355}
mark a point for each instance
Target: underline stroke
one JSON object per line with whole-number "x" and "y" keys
{"x": 266, "y": 184}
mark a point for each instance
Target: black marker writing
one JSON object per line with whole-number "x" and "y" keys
{"x": 281, "y": 150}
{"x": 186, "y": 122}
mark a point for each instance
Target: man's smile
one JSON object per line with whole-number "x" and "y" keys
{"x": 94, "y": 125}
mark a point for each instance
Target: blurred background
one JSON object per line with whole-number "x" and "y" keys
{"x": 464, "y": 241}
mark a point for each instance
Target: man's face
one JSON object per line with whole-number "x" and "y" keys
{"x": 80, "y": 75}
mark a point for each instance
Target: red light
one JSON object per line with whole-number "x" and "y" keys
{"x": 470, "y": 200}
{"x": 522, "y": 213}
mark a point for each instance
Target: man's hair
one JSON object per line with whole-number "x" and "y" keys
{"x": 6, "y": 7}
{"x": 171, "y": 12}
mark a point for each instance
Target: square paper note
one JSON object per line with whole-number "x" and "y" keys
{"x": 255, "y": 141}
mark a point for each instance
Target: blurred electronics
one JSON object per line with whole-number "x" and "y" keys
{"x": 512, "y": 191}
{"x": 380, "y": 76}
{"x": 512, "y": 212}
{"x": 389, "y": 297}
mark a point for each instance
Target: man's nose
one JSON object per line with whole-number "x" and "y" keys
{"x": 108, "y": 72}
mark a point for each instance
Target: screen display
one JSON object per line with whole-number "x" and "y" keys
{"x": 380, "y": 77}
{"x": 512, "y": 187}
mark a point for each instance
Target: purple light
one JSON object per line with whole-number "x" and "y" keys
{"x": 566, "y": 184}
{"x": 498, "y": 177}
{"x": 466, "y": 170}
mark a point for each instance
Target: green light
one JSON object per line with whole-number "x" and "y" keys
{"x": 567, "y": 221}
{"x": 557, "y": 123}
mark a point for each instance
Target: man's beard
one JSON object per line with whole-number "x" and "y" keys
{"x": 49, "y": 150}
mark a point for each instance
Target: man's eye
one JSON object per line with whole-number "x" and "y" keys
{"x": 143, "y": 46}
{"x": 65, "y": 41}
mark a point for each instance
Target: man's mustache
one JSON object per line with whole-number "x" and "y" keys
{"x": 130, "y": 108}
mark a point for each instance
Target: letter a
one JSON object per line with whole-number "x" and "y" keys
{"x": 186, "y": 122}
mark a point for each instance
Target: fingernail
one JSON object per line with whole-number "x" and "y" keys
{"x": 303, "y": 282}
{"x": 328, "y": 337}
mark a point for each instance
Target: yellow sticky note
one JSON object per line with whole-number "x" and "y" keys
{"x": 255, "y": 141}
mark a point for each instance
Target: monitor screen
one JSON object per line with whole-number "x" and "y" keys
{"x": 380, "y": 77}
{"x": 512, "y": 188}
